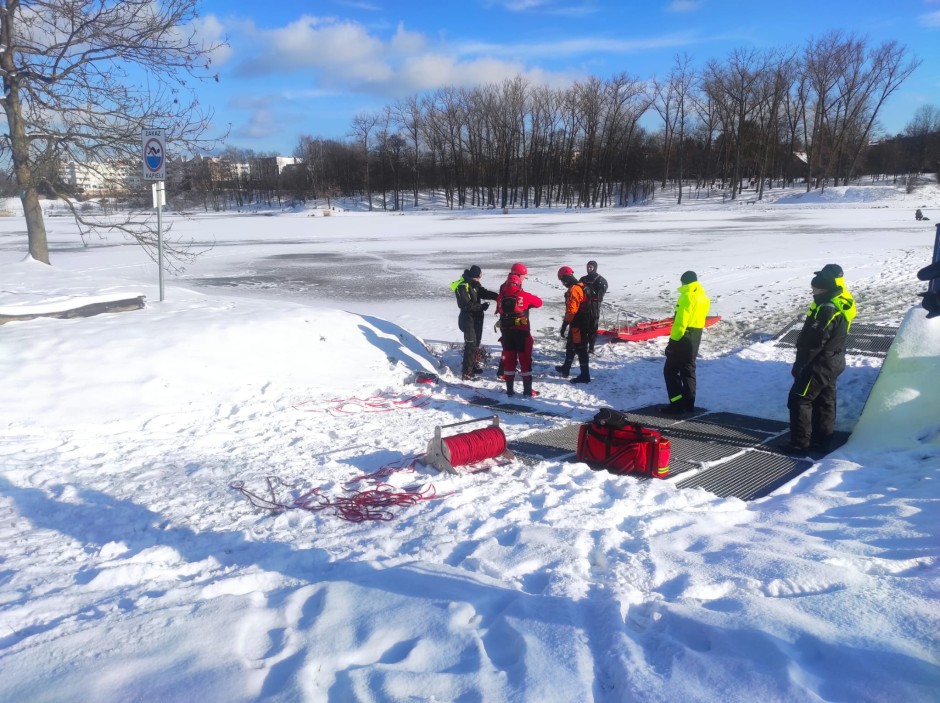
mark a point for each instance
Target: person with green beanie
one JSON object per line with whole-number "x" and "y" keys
{"x": 682, "y": 348}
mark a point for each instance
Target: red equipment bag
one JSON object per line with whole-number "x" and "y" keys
{"x": 631, "y": 449}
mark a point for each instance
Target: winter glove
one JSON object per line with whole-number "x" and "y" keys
{"x": 670, "y": 347}
{"x": 485, "y": 307}
{"x": 564, "y": 330}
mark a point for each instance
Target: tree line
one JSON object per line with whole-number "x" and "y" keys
{"x": 754, "y": 118}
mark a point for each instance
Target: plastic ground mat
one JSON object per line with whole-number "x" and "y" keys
{"x": 865, "y": 340}
{"x": 727, "y": 454}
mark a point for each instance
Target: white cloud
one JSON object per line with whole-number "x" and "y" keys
{"x": 548, "y": 7}
{"x": 678, "y": 6}
{"x": 523, "y": 5}
{"x": 345, "y": 54}
{"x": 576, "y": 46}
{"x": 211, "y": 32}
{"x": 348, "y": 57}
{"x": 930, "y": 19}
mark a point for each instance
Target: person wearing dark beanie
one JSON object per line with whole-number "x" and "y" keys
{"x": 845, "y": 301}
{"x": 469, "y": 295}
{"x": 820, "y": 358}
{"x": 596, "y": 289}
{"x": 682, "y": 348}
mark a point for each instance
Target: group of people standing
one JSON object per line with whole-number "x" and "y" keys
{"x": 820, "y": 347}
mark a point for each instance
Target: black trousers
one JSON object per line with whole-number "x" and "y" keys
{"x": 472, "y": 328}
{"x": 812, "y": 413}
{"x": 679, "y": 373}
{"x": 577, "y": 345}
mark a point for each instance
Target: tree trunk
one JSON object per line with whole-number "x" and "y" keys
{"x": 35, "y": 225}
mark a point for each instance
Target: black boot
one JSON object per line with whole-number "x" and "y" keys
{"x": 510, "y": 382}
{"x": 565, "y": 368}
{"x": 527, "y": 386}
{"x": 585, "y": 375}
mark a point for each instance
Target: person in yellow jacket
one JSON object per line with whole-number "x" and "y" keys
{"x": 682, "y": 348}
{"x": 844, "y": 301}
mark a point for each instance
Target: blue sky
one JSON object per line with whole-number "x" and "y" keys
{"x": 293, "y": 67}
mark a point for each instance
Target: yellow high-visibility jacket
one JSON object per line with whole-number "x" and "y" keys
{"x": 691, "y": 309}
{"x": 844, "y": 301}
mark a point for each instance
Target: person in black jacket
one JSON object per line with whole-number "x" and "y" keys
{"x": 820, "y": 358}
{"x": 470, "y": 295}
{"x": 598, "y": 286}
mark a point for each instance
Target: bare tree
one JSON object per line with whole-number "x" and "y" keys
{"x": 681, "y": 80}
{"x": 81, "y": 78}
{"x": 362, "y": 126}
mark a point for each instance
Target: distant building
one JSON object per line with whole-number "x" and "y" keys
{"x": 121, "y": 177}
{"x": 99, "y": 178}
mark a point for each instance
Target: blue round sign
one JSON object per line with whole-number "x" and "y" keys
{"x": 153, "y": 155}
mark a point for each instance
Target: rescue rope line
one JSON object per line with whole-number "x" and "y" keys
{"x": 384, "y": 402}
{"x": 375, "y": 503}
{"x": 475, "y": 446}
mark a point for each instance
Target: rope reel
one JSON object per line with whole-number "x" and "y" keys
{"x": 447, "y": 453}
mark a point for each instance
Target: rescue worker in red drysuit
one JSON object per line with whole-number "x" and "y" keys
{"x": 575, "y": 326}
{"x": 513, "y": 305}
{"x": 519, "y": 271}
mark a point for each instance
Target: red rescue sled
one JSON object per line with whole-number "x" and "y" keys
{"x": 645, "y": 330}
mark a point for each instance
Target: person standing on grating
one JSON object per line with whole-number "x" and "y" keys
{"x": 844, "y": 300}
{"x": 682, "y": 348}
{"x": 820, "y": 358}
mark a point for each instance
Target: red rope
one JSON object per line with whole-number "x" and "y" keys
{"x": 374, "y": 503}
{"x": 475, "y": 446}
{"x": 385, "y": 402}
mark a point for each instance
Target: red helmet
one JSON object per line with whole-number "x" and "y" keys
{"x": 565, "y": 271}
{"x": 519, "y": 270}
{"x": 513, "y": 278}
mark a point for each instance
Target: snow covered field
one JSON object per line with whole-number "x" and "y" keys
{"x": 130, "y": 570}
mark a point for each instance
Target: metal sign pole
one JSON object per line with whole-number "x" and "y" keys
{"x": 159, "y": 187}
{"x": 153, "y": 146}
{"x": 159, "y": 200}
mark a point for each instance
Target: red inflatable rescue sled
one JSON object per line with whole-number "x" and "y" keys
{"x": 645, "y": 330}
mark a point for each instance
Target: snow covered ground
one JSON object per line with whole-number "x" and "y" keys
{"x": 131, "y": 570}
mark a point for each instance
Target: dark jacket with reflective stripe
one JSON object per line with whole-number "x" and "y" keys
{"x": 820, "y": 348}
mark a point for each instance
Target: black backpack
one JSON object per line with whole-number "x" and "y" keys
{"x": 590, "y": 307}
{"x": 608, "y": 417}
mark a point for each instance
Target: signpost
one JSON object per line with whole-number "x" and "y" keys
{"x": 153, "y": 142}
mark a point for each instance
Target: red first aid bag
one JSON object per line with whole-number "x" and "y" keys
{"x": 631, "y": 449}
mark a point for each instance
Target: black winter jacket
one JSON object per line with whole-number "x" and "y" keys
{"x": 470, "y": 293}
{"x": 820, "y": 348}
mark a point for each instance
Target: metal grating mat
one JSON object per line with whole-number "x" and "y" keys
{"x": 516, "y": 408}
{"x": 752, "y": 475}
{"x": 867, "y": 340}
{"x": 551, "y": 444}
{"x": 743, "y": 449}
{"x": 650, "y": 416}
{"x": 710, "y": 432}
{"x": 747, "y": 422}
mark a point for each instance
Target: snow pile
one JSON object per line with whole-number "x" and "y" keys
{"x": 132, "y": 571}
